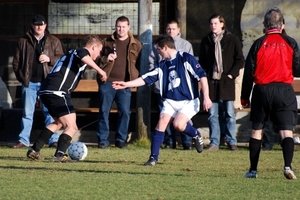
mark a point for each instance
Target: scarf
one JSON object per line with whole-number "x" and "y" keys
{"x": 218, "y": 64}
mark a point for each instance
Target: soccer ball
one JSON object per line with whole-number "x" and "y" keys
{"x": 77, "y": 151}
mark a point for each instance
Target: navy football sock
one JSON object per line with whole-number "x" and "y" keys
{"x": 157, "y": 140}
{"x": 190, "y": 130}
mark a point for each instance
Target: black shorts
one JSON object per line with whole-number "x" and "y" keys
{"x": 56, "y": 105}
{"x": 275, "y": 101}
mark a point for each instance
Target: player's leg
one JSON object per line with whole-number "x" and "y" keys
{"x": 70, "y": 128}
{"x": 186, "y": 110}
{"x": 158, "y": 134}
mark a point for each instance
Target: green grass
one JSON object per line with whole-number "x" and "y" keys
{"x": 113, "y": 173}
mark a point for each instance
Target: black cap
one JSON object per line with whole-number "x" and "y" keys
{"x": 38, "y": 20}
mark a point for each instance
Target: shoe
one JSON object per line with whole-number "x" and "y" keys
{"x": 170, "y": 146}
{"x": 233, "y": 147}
{"x": 289, "y": 173}
{"x": 150, "y": 162}
{"x": 251, "y": 174}
{"x": 33, "y": 155}
{"x": 187, "y": 146}
{"x": 53, "y": 145}
{"x": 62, "y": 159}
{"x": 198, "y": 143}
{"x": 102, "y": 146}
{"x": 18, "y": 145}
{"x": 121, "y": 145}
{"x": 212, "y": 148}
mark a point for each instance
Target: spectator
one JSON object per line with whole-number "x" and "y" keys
{"x": 222, "y": 58}
{"x": 36, "y": 53}
{"x": 181, "y": 44}
{"x": 179, "y": 74}
{"x": 56, "y": 91}
{"x": 272, "y": 63}
{"x": 120, "y": 59}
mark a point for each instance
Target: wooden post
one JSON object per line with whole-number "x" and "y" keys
{"x": 181, "y": 16}
{"x": 143, "y": 117}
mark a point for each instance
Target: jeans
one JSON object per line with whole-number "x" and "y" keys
{"x": 226, "y": 109}
{"x": 270, "y": 137}
{"x": 122, "y": 99}
{"x": 170, "y": 134}
{"x": 29, "y": 97}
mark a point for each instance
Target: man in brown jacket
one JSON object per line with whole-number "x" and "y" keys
{"x": 119, "y": 59}
{"x": 35, "y": 55}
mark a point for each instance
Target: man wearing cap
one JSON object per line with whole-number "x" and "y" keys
{"x": 36, "y": 53}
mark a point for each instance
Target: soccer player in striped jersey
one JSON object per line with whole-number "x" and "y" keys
{"x": 178, "y": 75}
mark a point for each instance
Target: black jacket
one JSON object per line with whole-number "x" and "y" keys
{"x": 233, "y": 61}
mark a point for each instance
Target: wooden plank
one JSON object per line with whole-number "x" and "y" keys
{"x": 87, "y": 86}
{"x": 90, "y": 86}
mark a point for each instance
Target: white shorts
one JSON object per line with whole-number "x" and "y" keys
{"x": 187, "y": 107}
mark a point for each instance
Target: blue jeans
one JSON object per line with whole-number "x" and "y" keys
{"x": 225, "y": 110}
{"x": 170, "y": 134}
{"x": 122, "y": 98}
{"x": 29, "y": 97}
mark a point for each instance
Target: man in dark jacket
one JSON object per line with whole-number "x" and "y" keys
{"x": 120, "y": 59}
{"x": 222, "y": 58}
{"x": 272, "y": 63}
{"x": 35, "y": 55}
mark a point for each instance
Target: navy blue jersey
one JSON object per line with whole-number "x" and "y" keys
{"x": 178, "y": 77}
{"x": 66, "y": 73}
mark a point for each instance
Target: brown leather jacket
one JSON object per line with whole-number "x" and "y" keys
{"x": 133, "y": 59}
{"x": 23, "y": 59}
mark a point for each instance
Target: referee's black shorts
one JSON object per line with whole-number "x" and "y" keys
{"x": 57, "y": 106}
{"x": 276, "y": 101}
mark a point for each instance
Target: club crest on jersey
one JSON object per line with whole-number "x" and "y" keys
{"x": 198, "y": 66}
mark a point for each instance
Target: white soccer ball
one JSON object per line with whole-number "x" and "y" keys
{"x": 77, "y": 151}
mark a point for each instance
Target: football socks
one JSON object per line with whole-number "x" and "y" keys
{"x": 42, "y": 139}
{"x": 190, "y": 130}
{"x": 287, "y": 145}
{"x": 157, "y": 140}
{"x": 254, "y": 147}
{"x": 63, "y": 143}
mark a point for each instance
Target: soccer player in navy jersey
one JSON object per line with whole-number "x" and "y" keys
{"x": 55, "y": 94}
{"x": 178, "y": 75}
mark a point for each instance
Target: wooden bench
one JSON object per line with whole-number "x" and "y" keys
{"x": 91, "y": 86}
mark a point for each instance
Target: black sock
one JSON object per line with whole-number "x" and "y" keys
{"x": 63, "y": 143}
{"x": 43, "y": 138}
{"x": 254, "y": 147}
{"x": 287, "y": 145}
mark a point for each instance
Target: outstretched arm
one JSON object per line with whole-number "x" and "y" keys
{"x": 117, "y": 85}
{"x": 205, "y": 91}
{"x": 89, "y": 61}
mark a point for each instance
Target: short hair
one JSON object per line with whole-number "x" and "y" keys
{"x": 221, "y": 19}
{"x": 91, "y": 40}
{"x": 163, "y": 40}
{"x": 273, "y": 18}
{"x": 122, "y": 19}
{"x": 174, "y": 21}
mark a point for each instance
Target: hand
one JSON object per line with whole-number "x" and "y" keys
{"x": 111, "y": 56}
{"x": 245, "y": 103}
{"x": 117, "y": 85}
{"x": 103, "y": 76}
{"x": 207, "y": 104}
{"x": 44, "y": 58}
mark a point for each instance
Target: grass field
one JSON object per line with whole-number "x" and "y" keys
{"x": 114, "y": 173}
